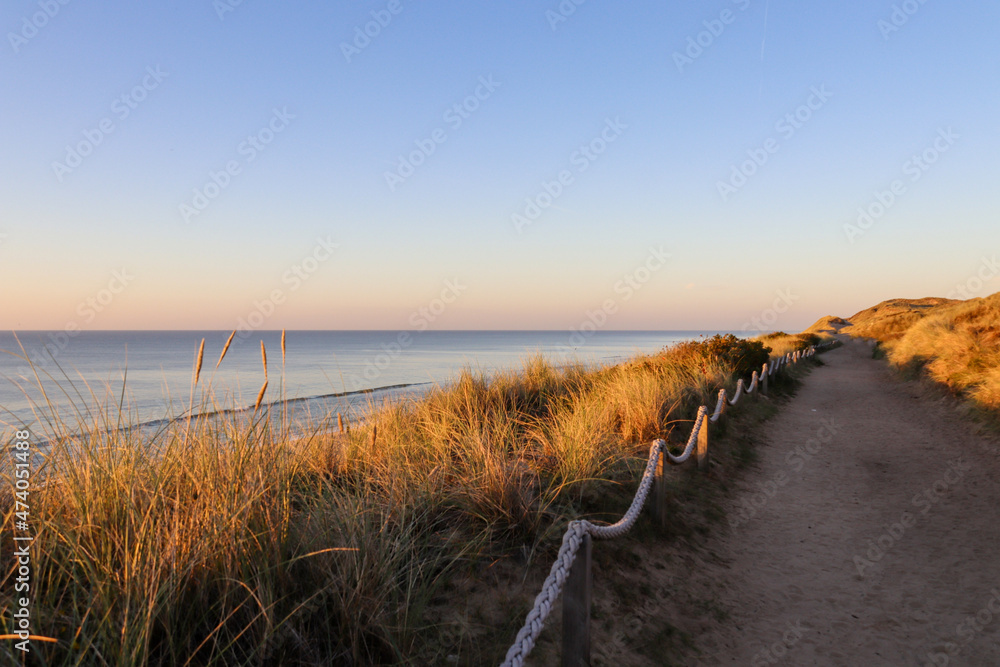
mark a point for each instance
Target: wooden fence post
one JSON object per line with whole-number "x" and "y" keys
{"x": 703, "y": 444}
{"x": 659, "y": 499}
{"x": 576, "y": 609}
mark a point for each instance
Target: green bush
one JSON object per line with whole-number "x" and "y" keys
{"x": 809, "y": 339}
{"x": 740, "y": 355}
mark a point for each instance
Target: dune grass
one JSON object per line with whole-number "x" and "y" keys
{"x": 226, "y": 540}
{"x": 959, "y": 347}
{"x": 887, "y": 328}
{"x": 781, "y": 343}
{"x": 890, "y": 320}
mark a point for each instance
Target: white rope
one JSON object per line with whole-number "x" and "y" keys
{"x": 632, "y": 515}
{"x": 699, "y": 423}
{"x": 739, "y": 392}
{"x": 525, "y": 640}
{"x": 719, "y": 405}
{"x": 552, "y": 587}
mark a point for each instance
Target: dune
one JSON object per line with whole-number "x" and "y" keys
{"x": 955, "y": 343}
{"x": 890, "y": 319}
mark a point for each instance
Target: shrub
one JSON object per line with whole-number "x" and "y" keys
{"x": 739, "y": 356}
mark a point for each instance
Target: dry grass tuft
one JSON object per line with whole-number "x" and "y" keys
{"x": 958, "y": 346}
{"x": 197, "y": 366}
{"x": 225, "y": 348}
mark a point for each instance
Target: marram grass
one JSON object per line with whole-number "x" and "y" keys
{"x": 224, "y": 540}
{"x": 957, "y": 345}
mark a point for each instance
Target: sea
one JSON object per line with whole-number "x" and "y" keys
{"x": 144, "y": 378}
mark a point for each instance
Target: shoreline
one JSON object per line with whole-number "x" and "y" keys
{"x": 322, "y": 365}
{"x": 352, "y": 408}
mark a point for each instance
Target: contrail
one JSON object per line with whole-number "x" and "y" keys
{"x": 763, "y": 42}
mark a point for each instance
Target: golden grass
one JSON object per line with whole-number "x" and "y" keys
{"x": 225, "y": 540}
{"x": 827, "y": 325}
{"x": 889, "y": 320}
{"x": 886, "y": 328}
{"x": 958, "y": 346}
{"x": 782, "y": 343}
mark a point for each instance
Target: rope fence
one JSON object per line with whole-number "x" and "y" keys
{"x": 573, "y": 562}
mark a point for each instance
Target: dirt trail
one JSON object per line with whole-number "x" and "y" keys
{"x": 881, "y": 547}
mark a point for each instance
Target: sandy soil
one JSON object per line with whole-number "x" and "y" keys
{"x": 869, "y": 534}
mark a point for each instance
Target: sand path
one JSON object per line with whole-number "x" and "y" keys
{"x": 881, "y": 547}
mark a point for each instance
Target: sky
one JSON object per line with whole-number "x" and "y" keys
{"x": 468, "y": 165}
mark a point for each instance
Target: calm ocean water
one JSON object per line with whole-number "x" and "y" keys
{"x": 325, "y": 371}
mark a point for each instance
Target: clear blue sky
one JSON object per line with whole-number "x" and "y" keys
{"x": 667, "y": 130}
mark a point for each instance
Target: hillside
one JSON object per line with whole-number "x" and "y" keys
{"x": 890, "y": 319}
{"x": 886, "y": 321}
{"x": 828, "y": 325}
{"x": 955, "y": 343}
